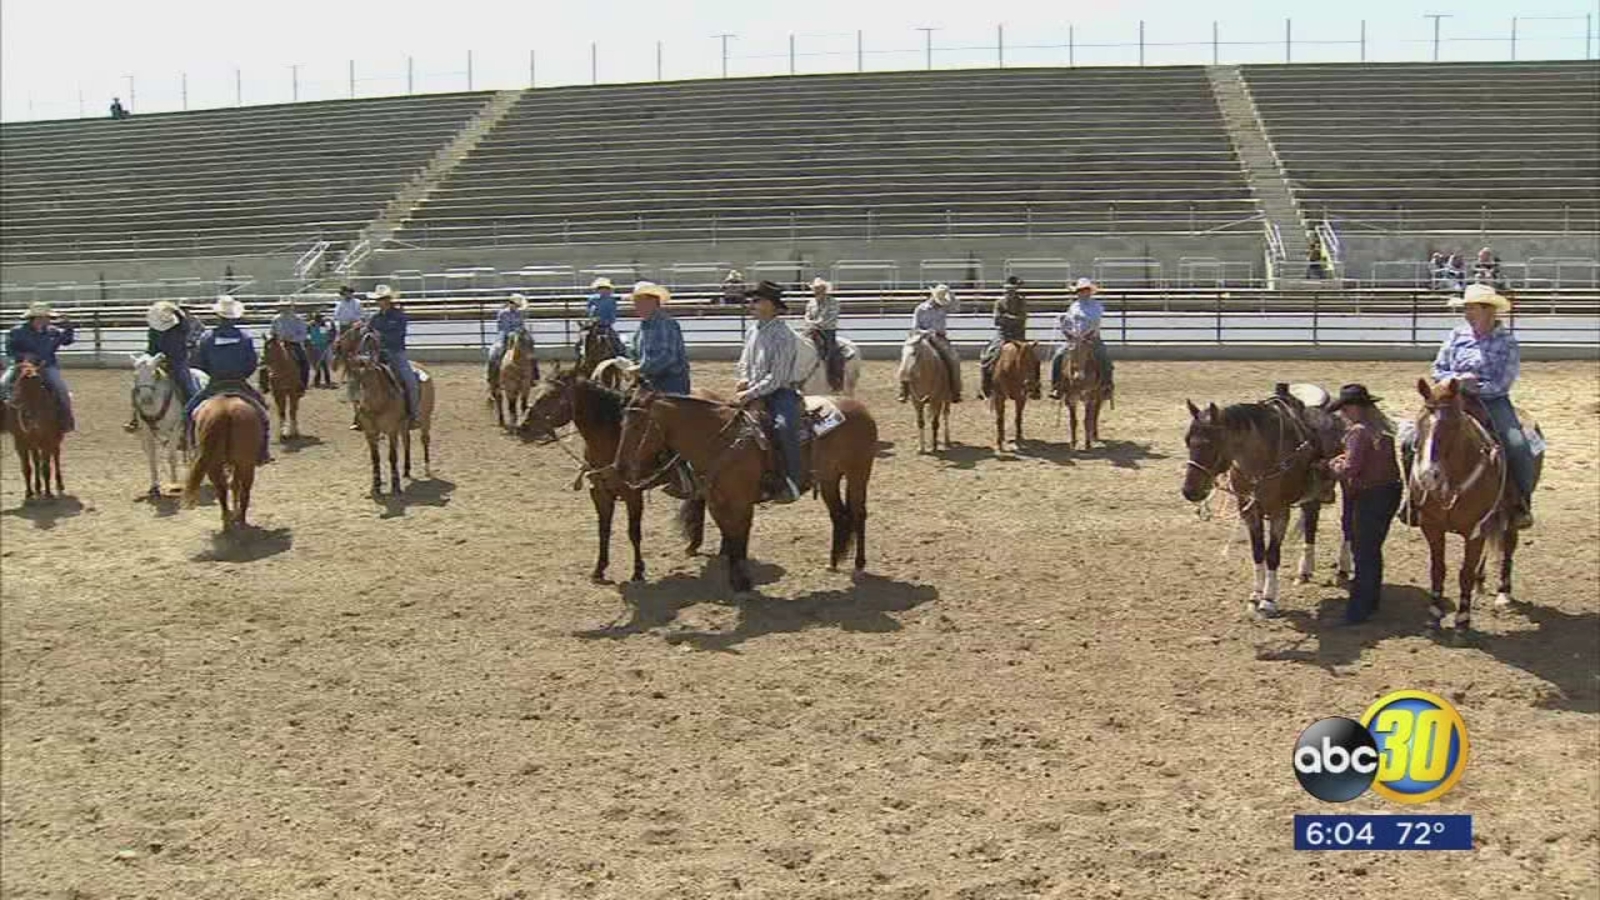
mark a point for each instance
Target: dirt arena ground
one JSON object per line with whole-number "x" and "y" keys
{"x": 1047, "y": 685}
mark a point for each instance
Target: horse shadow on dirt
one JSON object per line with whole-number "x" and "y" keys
{"x": 44, "y": 514}
{"x": 957, "y": 455}
{"x": 1325, "y": 642}
{"x": 246, "y": 544}
{"x": 655, "y": 603}
{"x": 427, "y": 492}
{"x": 885, "y": 450}
{"x": 298, "y": 444}
{"x": 165, "y": 506}
{"x": 1121, "y": 454}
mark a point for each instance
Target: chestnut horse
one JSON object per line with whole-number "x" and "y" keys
{"x": 1460, "y": 484}
{"x": 514, "y": 380}
{"x": 283, "y": 378}
{"x": 34, "y": 421}
{"x": 1016, "y": 376}
{"x": 381, "y": 410}
{"x": 726, "y": 446}
{"x": 1082, "y": 381}
{"x": 227, "y": 429}
{"x": 570, "y": 398}
{"x": 929, "y": 378}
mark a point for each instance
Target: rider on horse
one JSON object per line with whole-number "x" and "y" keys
{"x": 389, "y": 323}
{"x": 822, "y": 323}
{"x": 657, "y": 347}
{"x": 228, "y": 354}
{"x": 347, "y": 312}
{"x": 36, "y": 341}
{"x": 1081, "y": 322}
{"x": 929, "y": 322}
{"x": 506, "y": 323}
{"x": 291, "y": 330}
{"x": 168, "y": 336}
{"x": 602, "y": 313}
{"x": 767, "y": 369}
{"x": 1482, "y": 355}
{"x": 1011, "y": 324}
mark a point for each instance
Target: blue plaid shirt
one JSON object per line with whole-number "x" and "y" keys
{"x": 507, "y": 321}
{"x": 659, "y": 350}
{"x": 1493, "y": 358}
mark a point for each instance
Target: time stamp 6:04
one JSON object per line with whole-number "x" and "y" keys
{"x": 1389, "y": 832}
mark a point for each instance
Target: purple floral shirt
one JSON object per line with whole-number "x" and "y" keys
{"x": 1493, "y": 358}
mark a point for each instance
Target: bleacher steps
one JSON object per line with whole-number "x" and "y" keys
{"x": 1262, "y": 169}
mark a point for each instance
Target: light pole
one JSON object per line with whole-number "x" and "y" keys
{"x": 724, "y": 39}
{"x": 927, "y": 43}
{"x": 1436, "y": 17}
{"x": 1588, "y": 29}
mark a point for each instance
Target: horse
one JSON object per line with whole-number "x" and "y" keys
{"x": 814, "y": 372}
{"x": 1271, "y": 452}
{"x": 594, "y": 348}
{"x": 1083, "y": 381}
{"x": 381, "y": 410}
{"x": 34, "y": 421}
{"x": 728, "y": 449}
{"x": 931, "y": 390}
{"x": 283, "y": 378}
{"x": 227, "y": 431}
{"x": 154, "y": 396}
{"x": 570, "y": 398}
{"x": 515, "y": 378}
{"x": 1460, "y": 484}
{"x": 1016, "y": 377}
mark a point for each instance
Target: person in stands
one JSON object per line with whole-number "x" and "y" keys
{"x": 118, "y": 111}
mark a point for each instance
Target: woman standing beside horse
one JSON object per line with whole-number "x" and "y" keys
{"x": 1372, "y": 487}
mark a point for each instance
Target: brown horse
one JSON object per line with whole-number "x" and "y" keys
{"x": 1082, "y": 381}
{"x": 34, "y": 421}
{"x": 594, "y": 348}
{"x": 514, "y": 380}
{"x": 381, "y": 411}
{"x": 570, "y": 398}
{"x": 227, "y": 430}
{"x": 1271, "y": 453}
{"x": 727, "y": 448}
{"x": 929, "y": 378}
{"x": 1460, "y": 484}
{"x": 1016, "y": 377}
{"x": 283, "y": 378}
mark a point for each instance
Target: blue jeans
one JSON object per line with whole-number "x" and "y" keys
{"x": 183, "y": 378}
{"x": 786, "y": 409}
{"x": 58, "y": 386}
{"x": 408, "y": 377}
{"x": 242, "y": 389}
{"x": 670, "y": 383}
{"x": 1519, "y": 456}
{"x": 1373, "y": 511}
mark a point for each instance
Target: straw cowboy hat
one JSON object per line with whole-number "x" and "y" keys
{"x": 820, "y": 282}
{"x": 940, "y": 295}
{"x": 37, "y": 311}
{"x": 651, "y": 289}
{"x": 227, "y": 307}
{"x": 383, "y": 292}
{"x": 1086, "y": 284}
{"x": 163, "y": 315}
{"x": 733, "y": 275}
{"x": 598, "y": 283}
{"x": 520, "y": 301}
{"x": 1481, "y": 294}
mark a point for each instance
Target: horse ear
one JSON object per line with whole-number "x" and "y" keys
{"x": 1212, "y": 413}
{"x": 1194, "y": 411}
{"x": 1425, "y": 389}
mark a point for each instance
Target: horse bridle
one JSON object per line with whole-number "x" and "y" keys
{"x": 661, "y": 471}
{"x": 1488, "y": 452}
{"x": 1284, "y": 464}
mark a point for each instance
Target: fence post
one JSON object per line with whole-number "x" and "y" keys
{"x": 99, "y": 340}
{"x": 1123, "y": 324}
{"x": 859, "y": 53}
{"x": 1514, "y": 41}
{"x": 1413, "y": 318}
{"x": 483, "y": 337}
{"x": 1071, "y": 49}
{"x": 791, "y": 53}
{"x": 1288, "y": 40}
{"x": 1316, "y": 318}
{"x": 185, "y": 91}
{"x": 1141, "y": 42}
{"x": 1363, "y": 40}
{"x": 410, "y": 73}
{"x": 1214, "y": 42}
{"x": 531, "y": 61}
{"x": 469, "y": 70}
{"x": 1219, "y": 318}
{"x": 1000, "y": 44}
{"x": 658, "y": 60}
{"x": 352, "y": 79}
{"x": 594, "y": 63}
{"x": 294, "y": 83}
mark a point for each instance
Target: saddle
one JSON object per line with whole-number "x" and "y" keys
{"x": 818, "y": 417}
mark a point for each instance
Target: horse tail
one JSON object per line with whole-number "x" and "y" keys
{"x": 209, "y": 456}
{"x": 691, "y": 518}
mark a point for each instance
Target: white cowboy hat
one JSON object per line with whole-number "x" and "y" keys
{"x": 37, "y": 311}
{"x": 820, "y": 282}
{"x": 1086, "y": 284}
{"x": 598, "y": 283}
{"x": 163, "y": 315}
{"x": 733, "y": 275}
{"x": 518, "y": 300}
{"x": 940, "y": 294}
{"x": 227, "y": 307}
{"x": 1484, "y": 294}
{"x": 382, "y": 292}
{"x": 651, "y": 289}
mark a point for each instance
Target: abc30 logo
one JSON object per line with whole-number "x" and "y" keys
{"x": 1409, "y": 747}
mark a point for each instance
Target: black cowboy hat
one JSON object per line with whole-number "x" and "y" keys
{"x": 767, "y": 290}
{"x": 346, "y": 289}
{"x": 1014, "y": 281}
{"x": 1355, "y": 395}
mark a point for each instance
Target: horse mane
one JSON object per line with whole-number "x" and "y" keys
{"x": 1247, "y": 416}
{"x": 607, "y": 403}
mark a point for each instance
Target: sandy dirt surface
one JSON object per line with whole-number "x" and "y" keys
{"x": 1046, "y": 686}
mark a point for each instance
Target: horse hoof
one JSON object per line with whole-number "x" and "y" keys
{"x": 1268, "y": 610}
{"x": 1503, "y": 600}
{"x": 1302, "y": 579}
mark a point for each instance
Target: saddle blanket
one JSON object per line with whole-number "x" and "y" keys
{"x": 825, "y": 414}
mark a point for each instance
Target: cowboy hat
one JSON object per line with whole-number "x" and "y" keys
{"x": 1481, "y": 294}
{"x": 346, "y": 289}
{"x": 940, "y": 294}
{"x": 820, "y": 282}
{"x": 163, "y": 315}
{"x": 767, "y": 290}
{"x": 39, "y": 310}
{"x": 1355, "y": 395}
{"x": 1014, "y": 281}
{"x": 598, "y": 283}
{"x": 1086, "y": 284}
{"x": 227, "y": 307}
{"x": 733, "y": 275}
{"x": 383, "y": 292}
{"x": 651, "y": 289}
{"x": 520, "y": 301}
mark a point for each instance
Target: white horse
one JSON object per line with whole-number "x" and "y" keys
{"x": 155, "y": 399}
{"x": 814, "y": 375}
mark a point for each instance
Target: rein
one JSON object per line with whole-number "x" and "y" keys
{"x": 153, "y": 422}
{"x": 1488, "y": 454}
{"x": 702, "y": 482}
{"x": 1249, "y": 498}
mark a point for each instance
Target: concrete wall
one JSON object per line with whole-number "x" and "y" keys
{"x": 1361, "y": 251}
{"x": 264, "y": 268}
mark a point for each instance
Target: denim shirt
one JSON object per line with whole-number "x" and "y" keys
{"x": 1493, "y": 358}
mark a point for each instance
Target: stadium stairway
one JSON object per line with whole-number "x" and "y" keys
{"x": 1263, "y": 172}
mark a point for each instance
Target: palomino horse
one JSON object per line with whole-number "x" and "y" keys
{"x": 813, "y": 373}
{"x": 227, "y": 429}
{"x": 155, "y": 399}
{"x": 596, "y": 410}
{"x": 34, "y": 421}
{"x": 1459, "y": 484}
{"x": 1016, "y": 377}
{"x": 514, "y": 380}
{"x": 728, "y": 450}
{"x": 1270, "y": 452}
{"x": 1082, "y": 381}
{"x": 929, "y": 378}
{"x": 381, "y": 411}
{"x": 283, "y": 378}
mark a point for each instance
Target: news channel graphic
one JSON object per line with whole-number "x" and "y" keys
{"x": 1410, "y": 747}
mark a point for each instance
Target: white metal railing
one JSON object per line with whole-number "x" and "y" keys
{"x": 310, "y": 260}
{"x": 354, "y": 257}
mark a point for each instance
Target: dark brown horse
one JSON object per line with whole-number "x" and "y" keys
{"x": 726, "y": 447}
{"x": 569, "y": 398}
{"x": 284, "y": 381}
{"x": 1082, "y": 381}
{"x": 227, "y": 430}
{"x": 1016, "y": 377}
{"x": 1270, "y": 453}
{"x": 594, "y": 348}
{"x": 34, "y": 421}
{"x": 1460, "y": 484}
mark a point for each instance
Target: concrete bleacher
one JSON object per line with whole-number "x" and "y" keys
{"x": 1503, "y": 148}
{"x": 214, "y": 183}
{"x": 854, "y": 157}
